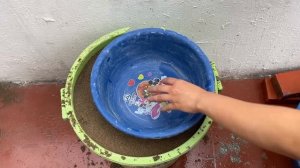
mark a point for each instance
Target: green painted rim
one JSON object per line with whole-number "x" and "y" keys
{"x": 68, "y": 112}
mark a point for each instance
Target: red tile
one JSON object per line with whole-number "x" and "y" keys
{"x": 32, "y": 134}
{"x": 248, "y": 89}
{"x": 180, "y": 162}
{"x": 271, "y": 95}
{"x": 202, "y": 155}
{"x": 287, "y": 83}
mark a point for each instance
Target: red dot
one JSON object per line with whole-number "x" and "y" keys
{"x": 131, "y": 82}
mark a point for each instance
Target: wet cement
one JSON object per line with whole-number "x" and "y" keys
{"x": 109, "y": 137}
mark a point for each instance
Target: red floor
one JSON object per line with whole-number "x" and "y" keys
{"x": 33, "y": 135}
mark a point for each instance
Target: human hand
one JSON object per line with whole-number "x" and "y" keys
{"x": 179, "y": 94}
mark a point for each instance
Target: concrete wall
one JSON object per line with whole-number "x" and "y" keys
{"x": 41, "y": 39}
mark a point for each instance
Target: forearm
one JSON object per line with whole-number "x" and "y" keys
{"x": 271, "y": 127}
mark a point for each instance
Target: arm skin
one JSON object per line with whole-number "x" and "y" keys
{"x": 271, "y": 127}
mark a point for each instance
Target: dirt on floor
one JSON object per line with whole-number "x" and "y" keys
{"x": 7, "y": 93}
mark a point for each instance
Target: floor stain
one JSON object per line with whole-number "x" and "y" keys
{"x": 7, "y": 93}
{"x": 235, "y": 159}
{"x": 233, "y": 149}
{"x": 82, "y": 148}
{"x": 206, "y": 139}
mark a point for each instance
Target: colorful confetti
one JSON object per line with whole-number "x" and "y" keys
{"x": 141, "y": 77}
{"x": 149, "y": 74}
{"x": 131, "y": 82}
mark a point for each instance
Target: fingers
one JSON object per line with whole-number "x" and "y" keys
{"x": 168, "y": 107}
{"x": 160, "y": 88}
{"x": 160, "y": 98}
{"x": 169, "y": 81}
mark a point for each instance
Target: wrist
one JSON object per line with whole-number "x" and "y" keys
{"x": 204, "y": 102}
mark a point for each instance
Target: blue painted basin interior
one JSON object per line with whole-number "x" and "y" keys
{"x": 147, "y": 55}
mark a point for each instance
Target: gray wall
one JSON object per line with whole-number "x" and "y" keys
{"x": 41, "y": 39}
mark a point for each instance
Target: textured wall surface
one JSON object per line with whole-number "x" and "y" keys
{"x": 41, "y": 39}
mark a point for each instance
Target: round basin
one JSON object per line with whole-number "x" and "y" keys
{"x": 137, "y": 60}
